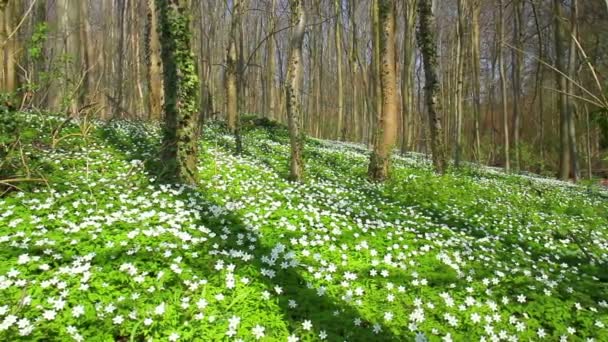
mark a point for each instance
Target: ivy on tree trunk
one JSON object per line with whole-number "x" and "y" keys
{"x": 179, "y": 151}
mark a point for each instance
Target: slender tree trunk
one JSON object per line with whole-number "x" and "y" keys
{"x": 179, "y": 153}
{"x": 427, "y": 41}
{"x": 292, "y": 89}
{"x": 503, "y": 85}
{"x": 562, "y": 99}
{"x": 460, "y": 51}
{"x": 154, "y": 64}
{"x": 341, "y": 127}
{"x": 516, "y": 56}
{"x": 386, "y": 126}
{"x": 121, "y": 7}
{"x": 570, "y": 89}
{"x": 10, "y": 16}
{"x": 476, "y": 71}
{"x": 231, "y": 71}
{"x": 375, "y": 76}
{"x": 270, "y": 64}
{"x": 408, "y": 73}
{"x": 539, "y": 85}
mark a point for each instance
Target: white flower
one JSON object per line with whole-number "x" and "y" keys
{"x": 23, "y": 259}
{"x": 541, "y": 333}
{"x": 148, "y": 321}
{"x": 78, "y": 311}
{"x": 49, "y": 315}
{"x": 521, "y": 298}
{"x": 258, "y": 332}
{"x": 160, "y": 309}
{"x": 322, "y": 335}
{"x": 388, "y": 316}
{"x": 118, "y": 320}
{"x": 173, "y": 337}
{"x": 233, "y": 322}
{"x": 201, "y": 304}
{"x": 475, "y": 317}
{"x": 420, "y": 337}
{"x": 307, "y": 325}
{"x": 292, "y": 338}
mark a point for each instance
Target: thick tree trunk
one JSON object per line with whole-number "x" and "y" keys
{"x": 292, "y": 89}
{"x": 181, "y": 86}
{"x": 428, "y": 45}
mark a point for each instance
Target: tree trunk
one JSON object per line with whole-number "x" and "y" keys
{"x": 427, "y": 42}
{"x": 292, "y": 89}
{"x": 503, "y": 85}
{"x": 154, "y": 64}
{"x": 386, "y": 126}
{"x": 562, "y": 98}
{"x": 341, "y": 127}
{"x": 460, "y": 50}
{"x": 516, "y": 55}
{"x": 270, "y": 64}
{"x": 407, "y": 74}
{"x": 476, "y": 70}
{"x": 179, "y": 153}
{"x": 121, "y": 7}
{"x": 570, "y": 89}
{"x": 231, "y": 71}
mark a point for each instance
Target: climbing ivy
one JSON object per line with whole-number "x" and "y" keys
{"x": 181, "y": 89}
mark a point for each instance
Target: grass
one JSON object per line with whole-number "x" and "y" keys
{"x": 107, "y": 253}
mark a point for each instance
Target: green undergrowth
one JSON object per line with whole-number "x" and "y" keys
{"x": 107, "y": 252}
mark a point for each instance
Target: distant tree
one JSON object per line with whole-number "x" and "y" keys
{"x": 179, "y": 154}
{"x": 292, "y": 89}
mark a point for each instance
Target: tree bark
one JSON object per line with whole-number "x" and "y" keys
{"x": 179, "y": 153}
{"x": 516, "y": 55}
{"x": 341, "y": 127}
{"x": 292, "y": 89}
{"x": 570, "y": 89}
{"x": 503, "y": 85}
{"x": 427, "y": 41}
{"x": 154, "y": 64}
{"x": 386, "y": 126}
{"x": 408, "y": 73}
{"x": 562, "y": 98}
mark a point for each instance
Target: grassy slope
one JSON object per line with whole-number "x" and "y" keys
{"x": 471, "y": 254}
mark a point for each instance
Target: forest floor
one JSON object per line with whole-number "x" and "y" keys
{"x": 105, "y": 253}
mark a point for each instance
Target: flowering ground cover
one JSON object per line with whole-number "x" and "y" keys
{"x": 105, "y": 253}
